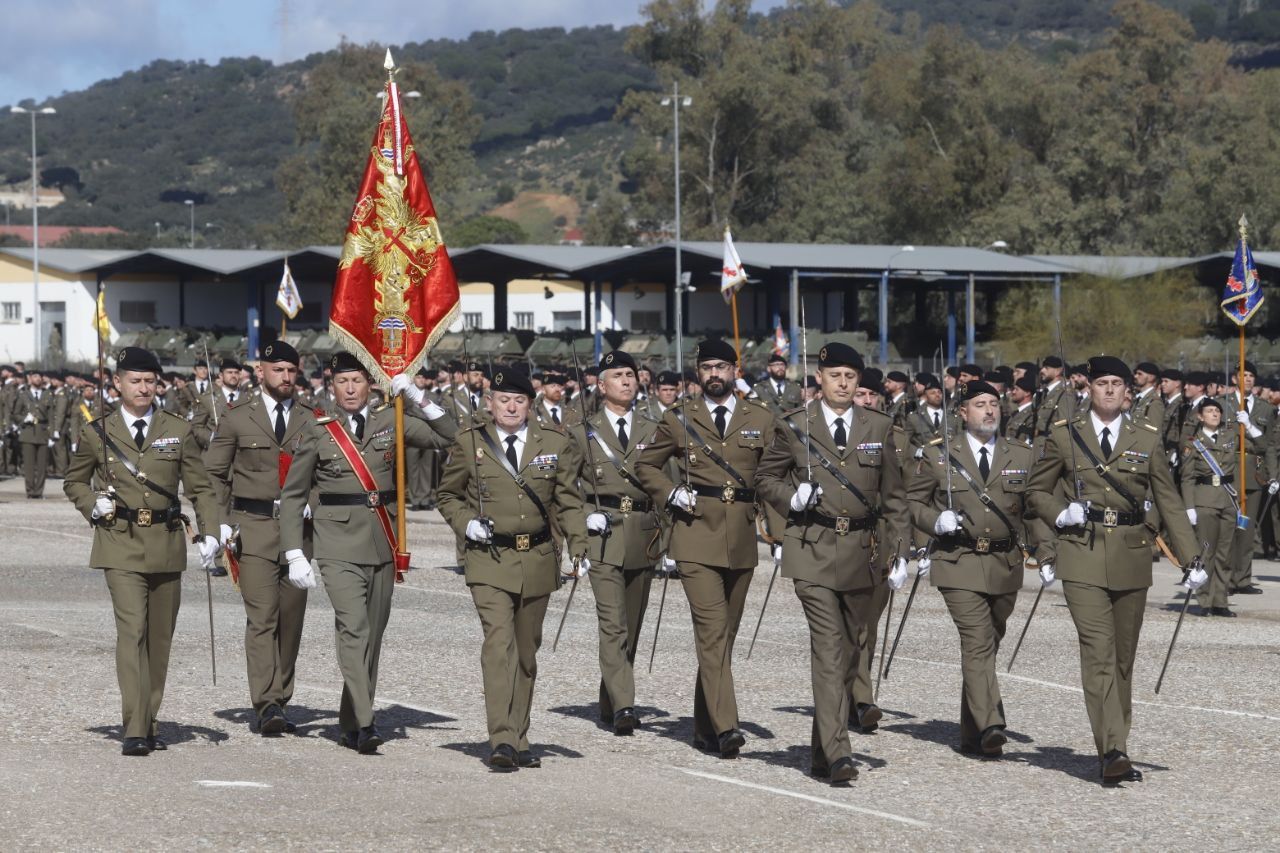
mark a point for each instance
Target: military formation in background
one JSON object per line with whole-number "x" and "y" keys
{"x": 622, "y": 474}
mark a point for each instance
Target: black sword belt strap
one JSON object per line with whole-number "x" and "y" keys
{"x": 515, "y": 475}
{"x": 833, "y": 470}
{"x": 1101, "y": 468}
{"x": 711, "y": 454}
{"x": 981, "y": 492}
{"x": 613, "y": 458}
{"x": 130, "y": 467}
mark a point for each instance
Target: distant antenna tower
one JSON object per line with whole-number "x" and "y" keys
{"x": 282, "y": 17}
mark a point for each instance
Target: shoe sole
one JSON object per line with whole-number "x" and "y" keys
{"x": 1119, "y": 771}
{"x": 370, "y": 746}
{"x": 502, "y": 763}
{"x": 625, "y": 727}
{"x": 869, "y": 719}
{"x": 272, "y": 726}
{"x": 136, "y": 751}
{"x": 847, "y": 773}
{"x": 993, "y": 746}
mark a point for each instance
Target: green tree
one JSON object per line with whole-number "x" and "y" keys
{"x": 479, "y": 230}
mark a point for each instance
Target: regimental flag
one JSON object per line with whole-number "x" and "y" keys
{"x": 102, "y": 323}
{"x": 732, "y": 275}
{"x": 781, "y": 346}
{"x": 396, "y": 292}
{"x": 288, "y": 298}
{"x": 1242, "y": 297}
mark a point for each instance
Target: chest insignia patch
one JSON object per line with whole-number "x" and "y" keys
{"x": 872, "y": 447}
{"x": 751, "y": 434}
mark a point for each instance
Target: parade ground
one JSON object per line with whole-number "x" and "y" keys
{"x": 1207, "y": 744}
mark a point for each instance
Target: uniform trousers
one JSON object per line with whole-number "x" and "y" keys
{"x": 512, "y": 627}
{"x": 274, "y": 610}
{"x": 35, "y": 467}
{"x": 716, "y": 597}
{"x": 1218, "y": 528}
{"x": 1243, "y": 542}
{"x": 621, "y": 600}
{"x": 146, "y": 610}
{"x": 980, "y": 618}
{"x": 864, "y": 692}
{"x": 361, "y": 599}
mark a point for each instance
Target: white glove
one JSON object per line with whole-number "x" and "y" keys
{"x": 1072, "y": 516}
{"x": 51, "y": 442}
{"x": 668, "y": 565}
{"x": 1196, "y": 578}
{"x": 578, "y": 567}
{"x": 224, "y": 533}
{"x": 102, "y": 507}
{"x": 923, "y": 565}
{"x": 919, "y": 454}
{"x": 898, "y": 576}
{"x": 597, "y": 522}
{"x": 306, "y": 512}
{"x": 55, "y": 435}
{"x": 1046, "y": 574}
{"x": 1273, "y": 487}
{"x": 208, "y": 547}
{"x": 432, "y": 411}
{"x": 74, "y": 445}
{"x": 683, "y": 497}
{"x": 1242, "y": 417}
{"x": 301, "y": 575}
{"x": 948, "y": 522}
{"x": 402, "y": 383}
{"x": 478, "y": 531}
{"x": 1191, "y": 516}
{"x": 807, "y": 495}
{"x": 29, "y": 419}
{"x": 743, "y": 386}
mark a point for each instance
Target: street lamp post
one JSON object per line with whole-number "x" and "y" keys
{"x": 35, "y": 224}
{"x": 676, "y": 102}
{"x": 884, "y": 304}
{"x": 191, "y": 206}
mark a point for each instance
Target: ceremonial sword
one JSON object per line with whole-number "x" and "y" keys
{"x": 888, "y": 614}
{"x": 1204, "y": 549}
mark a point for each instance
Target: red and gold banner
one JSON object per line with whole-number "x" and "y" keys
{"x": 396, "y": 292}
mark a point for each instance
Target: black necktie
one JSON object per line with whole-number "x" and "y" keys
{"x": 780, "y": 389}
{"x": 841, "y": 437}
{"x": 984, "y": 464}
{"x": 358, "y": 420}
{"x": 475, "y": 402}
{"x": 139, "y": 432}
{"x": 511, "y": 453}
{"x": 721, "y": 419}
{"x": 555, "y": 414}
{"x": 622, "y": 432}
{"x": 231, "y": 397}
{"x": 1213, "y": 438}
{"x": 937, "y": 420}
{"x": 279, "y": 423}
{"x": 1106, "y": 441}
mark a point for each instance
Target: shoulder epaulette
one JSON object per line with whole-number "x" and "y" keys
{"x": 382, "y": 408}
{"x": 1062, "y": 422}
{"x": 552, "y": 426}
{"x": 1146, "y": 425}
{"x": 935, "y": 442}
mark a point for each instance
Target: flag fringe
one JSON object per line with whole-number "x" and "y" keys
{"x": 352, "y": 344}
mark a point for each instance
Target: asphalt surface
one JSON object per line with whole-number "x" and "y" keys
{"x": 1207, "y": 743}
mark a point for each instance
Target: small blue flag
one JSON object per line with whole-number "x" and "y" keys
{"x": 1242, "y": 296}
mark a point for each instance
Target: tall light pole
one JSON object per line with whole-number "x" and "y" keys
{"x": 676, "y": 103}
{"x": 191, "y": 206}
{"x": 35, "y": 224}
{"x": 884, "y": 304}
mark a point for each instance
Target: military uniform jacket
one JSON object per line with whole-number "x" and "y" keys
{"x": 244, "y": 461}
{"x": 1226, "y": 452}
{"x": 458, "y": 404}
{"x": 570, "y": 415}
{"x": 169, "y": 456}
{"x": 1116, "y": 558}
{"x": 1262, "y": 414}
{"x": 766, "y": 391}
{"x": 348, "y": 533}
{"x": 920, "y": 429}
{"x": 1176, "y": 414}
{"x": 25, "y": 403}
{"x": 1149, "y": 409}
{"x": 1019, "y": 426}
{"x": 549, "y": 465}
{"x": 1052, "y": 405}
{"x": 632, "y": 532}
{"x": 871, "y": 462}
{"x": 720, "y": 533}
{"x": 82, "y": 413}
{"x": 958, "y": 565}
{"x": 213, "y": 407}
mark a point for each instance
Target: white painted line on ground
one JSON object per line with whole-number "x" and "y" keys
{"x": 218, "y": 783}
{"x": 54, "y": 532}
{"x": 822, "y": 801}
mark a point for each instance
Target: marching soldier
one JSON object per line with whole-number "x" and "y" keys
{"x": 720, "y": 440}
{"x": 503, "y": 484}
{"x": 970, "y": 496}
{"x": 139, "y": 540}
{"x": 776, "y": 391}
{"x": 1049, "y": 397}
{"x": 925, "y": 425}
{"x": 1148, "y": 406}
{"x": 198, "y": 388}
{"x": 1094, "y": 497}
{"x": 1257, "y": 416}
{"x": 1020, "y": 426}
{"x": 420, "y": 465}
{"x": 899, "y": 404}
{"x": 830, "y": 547}
{"x": 552, "y": 408}
{"x": 622, "y": 536}
{"x": 666, "y": 390}
{"x": 58, "y": 423}
{"x": 247, "y": 461}
{"x": 1175, "y": 414}
{"x": 33, "y": 412}
{"x": 213, "y": 406}
{"x": 347, "y": 462}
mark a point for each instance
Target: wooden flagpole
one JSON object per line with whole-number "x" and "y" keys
{"x": 737, "y": 344}
{"x": 1242, "y": 483}
{"x": 402, "y": 533}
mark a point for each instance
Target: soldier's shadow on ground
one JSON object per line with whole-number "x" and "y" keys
{"x": 1066, "y": 760}
{"x": 171, "y": 733}
{"x": 656, "y": 721}
{"x": 807, "y": 711}
{"x": 481, "y": 750}
{"x": 648, "y": 714}
{"x": 393, "y": 721}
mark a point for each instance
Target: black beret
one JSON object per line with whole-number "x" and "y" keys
{"x": 424, "y": 373}
{"x": 472, "y": 366}
{"x": 1249, "y": 367}
{"x": 1026, "y": 365}
{"x": 953, "y": 372}
{"x": 1171, "y": 373}
{"x": 1207, "y": 402}
{"x": 1147, "y": 367}
{"x": 341, "y": 362}
{"x": 229, "y": 364}
{"x": 592, "y": 370}
{"x": 512, "y": 380}
{"x": 811, "y": 382}
{"x": 1052, "y": 361}
{"x": 1082, "y": 369}
{"x": 668, "y": 377}
{"x": 1108, "y": 365}
{"x": 897, "y": 376}
{"x": 200, "y": 362}
{"x": 977, "y": 388}
{"x": 874, "y": 374}
{"x": 1000, "y": 374}
{"x": 1271, "y": 383}
{"x": 776, "y": 358}
{"x": 1026, "y": 383}
{"x": 971, "y": 369}
{"x": 617, "y": 359}
{"x": 136, "y": 358}
{"x": 691, "y": 375}
{"x": 836, "y": 354}
{"x": 870, "y": 381}
{"x": 553, "y": 378}
{"x": 455, "y": 366}
{"x": 928, "y": 380}
{"x": 716, "y": 350}
{"x": 1196, "y": 377}
{"x": 278, "y": 351}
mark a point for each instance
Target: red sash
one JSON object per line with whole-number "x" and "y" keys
{"x": 356, "y": 461}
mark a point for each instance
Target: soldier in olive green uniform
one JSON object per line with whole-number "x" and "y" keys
{"x": 247, "y": 460}
{"x": 213, "y": 406}
{"x": 621, "y": 535}
{"x": 830, "y": 546}
{"x": 925, "y": 425}
{"x": 1104, "y": 545}
{"x": 139, "y": 538}
{"x": 719, "y": 440}
{"x": 58, "y": 423}
{"x": 1049, "y": 403}
{"x": 776, "y": 391}
{"x": 552, "y": 407}
{"x": 1257, "y": 476}
{"x": 505, "y": 484}
{"x": 355, "y": 555}
{"x": 33, "y": 412}
{"x": 980, "y": 540}
{"x": 1020, "y": 424}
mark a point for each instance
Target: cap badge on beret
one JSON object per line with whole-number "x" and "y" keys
{"x": 608, "y": 359}
{"x": 822, "y": 354}
{"x": 497, "y": 379}
{"x": 269, "y": 350}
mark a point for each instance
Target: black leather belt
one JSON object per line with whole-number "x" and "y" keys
{"x": 980, "y": 545}
{"x": 841, "y": 524}
{"x": 1113, "y": 517}
{"x": 519, "y": 541}
{"x": 147, "y": 517}
{"x": 727, "y": 494}
{"x": 369, "y": 499}
{"x": 626, "y": 504}
{"x": 1213, "y": 480}
{"x": 266, "y": 509}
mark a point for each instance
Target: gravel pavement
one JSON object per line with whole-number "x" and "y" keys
{"x": 1207, "y": 743}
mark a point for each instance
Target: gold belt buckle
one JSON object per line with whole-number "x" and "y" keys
{"x": 983, "y": 546}
{"x": 728, "y": 494}
{"x": 144, "y": 518}
{"x": 1110, "y": 518}
{"x": 842, "y": 525}
{"x": 625, "y": 504}
{"x": 522, "y": 541}
{"x": 1217, "y": 481}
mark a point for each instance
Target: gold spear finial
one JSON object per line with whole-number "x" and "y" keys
{"x": 1244, "y": 227}
{"x": 389, "y": 64}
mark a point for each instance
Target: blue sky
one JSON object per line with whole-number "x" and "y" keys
{"x": 64, "y": 45}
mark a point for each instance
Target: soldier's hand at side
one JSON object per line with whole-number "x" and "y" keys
{"x": 1046, "y": 574}
{"x": 1273, "y": 487}
{"x": 306, "y": 512}
{"x": 948, "y": 522}
{"x": 1072, "y": 516}
{"x": 669, "y": 566}
{"x": 29, "y": 419}
{"x": 301, "y": 575}
{"x": 478, "y": 531}
{"x": 806, "y": 496}
{"x": 581, "y": 566}
{"x": 102, "y": 507}
{"x": 683, "y": 497}
{"x": 51, "y": 442}
{"x": 431, "y": 410}
{"x": 208, "y": 548}
{"x": 919, "y": 454}
{"x": 74, "y": 445}
{"x": 898, "y": 576}
{"x": 1197, "y": 576}
{"x": 224, "y": 533}
{"x": 598, "y": 522}
{"x": 924, "y": 564}
{"x": 1191, "y": 515}
{"x": 55, "y": 435}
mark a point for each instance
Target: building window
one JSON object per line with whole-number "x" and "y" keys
{"x": 137, "y": 312}
{"x": 11, "y": 312}
{"x": 524, "y": 319}
{"x": 646, "y": 321}
{"x": 566, "y": 321}
{"x": 472, "y": 320}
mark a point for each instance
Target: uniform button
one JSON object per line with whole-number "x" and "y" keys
{"x": 1106, "y": 488}
{"x": 522, "y": 517}
{"x": 146, "y": 494}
